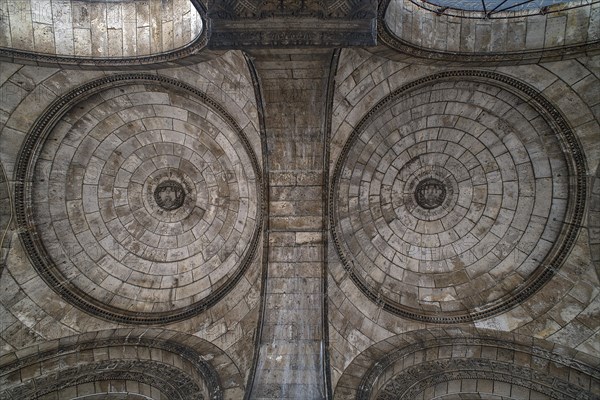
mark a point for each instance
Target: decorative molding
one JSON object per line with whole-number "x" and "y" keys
{"x": 594, "y": 220}
{"x": 294, "y": 38}
{"x": 415, "y": 343}
{"x": 6, "y": 216}
{"x": 267, "y": 9}
{"x": 335, "y": 59}
{"x": 414, "y": 380}
{"x": 170, "y": 381}
{"x": 93, "y": 371}
{"x": 239, "y": 24}
{"x": 35, "y": 249}
{"x": 570, "y": 230}
{"x": 265, "y": 209}
{"x": 502, "y": 11}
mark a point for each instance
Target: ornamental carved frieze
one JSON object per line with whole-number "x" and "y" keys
{"x": 274, "y": 23}
{"x": 167, "y": 379}
{"x": 416, "y": 366}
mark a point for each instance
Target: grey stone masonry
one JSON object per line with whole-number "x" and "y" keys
{"x": 417, "y": 28}
{"x": 471, "y": 33}
{"x": 98, "y": 29}
{"x": 293, "y": 86}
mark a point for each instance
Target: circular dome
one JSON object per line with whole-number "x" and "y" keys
{"x": 145, "y": 201}
{"x": 449, "y": 200}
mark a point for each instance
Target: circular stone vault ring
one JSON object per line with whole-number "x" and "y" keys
{"x": 447, "y": 210}
{"x": 145, "y": 199}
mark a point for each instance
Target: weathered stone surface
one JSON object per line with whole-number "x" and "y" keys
{"x": 452, "y": 34}
{"x": 290, "y": 356}
{"x": 98, "y": 30}
{"x": 276, "y": 24}
{"x": 161, "y": 209}
{"x": 518, "y": 145}
{"x": 348, "y": 310}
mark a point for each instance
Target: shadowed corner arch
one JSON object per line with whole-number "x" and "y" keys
{"x": 465, "y": 37}
{"x": 450, "y": 362}
{"x": 154, "y": 363}
{"x": 105, "y": 35}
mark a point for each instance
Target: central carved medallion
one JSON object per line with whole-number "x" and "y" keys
{"x": 169, "y": 195}
{"x": 430, "y": 193}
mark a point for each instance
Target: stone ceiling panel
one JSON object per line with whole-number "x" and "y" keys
{"x": 450, "y": 200}
{"x": 113, "y": 33}
{"x": 145, "y": 200}
{"x": 418, "y": 29}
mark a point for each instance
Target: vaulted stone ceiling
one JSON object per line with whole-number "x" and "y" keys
{"x": 299, "y": 199}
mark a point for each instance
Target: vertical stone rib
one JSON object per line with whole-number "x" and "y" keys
{"x": 291, "y": 360}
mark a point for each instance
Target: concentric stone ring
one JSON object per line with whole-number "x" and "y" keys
{"x": 449, "y": 200}
{"x": 145, "y": 199}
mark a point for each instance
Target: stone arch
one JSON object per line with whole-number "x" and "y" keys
{"x": 146, "y": 362}
{"x": 451, "y": 362}
{"x": 453, "y": 37}
{"x": 104, "y": 35}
